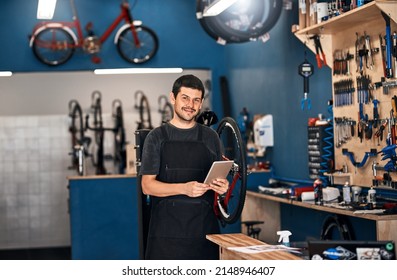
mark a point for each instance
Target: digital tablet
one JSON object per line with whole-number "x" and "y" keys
{"x": 219, "y": 169}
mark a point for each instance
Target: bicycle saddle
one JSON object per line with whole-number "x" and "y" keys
{"x": 207, "y": 118}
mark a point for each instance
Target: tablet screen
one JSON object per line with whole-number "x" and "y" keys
{"x": 219, "y": 169}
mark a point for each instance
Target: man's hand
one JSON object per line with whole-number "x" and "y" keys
{"x": 219, "y": 186}
{"x": 195, "y": 189}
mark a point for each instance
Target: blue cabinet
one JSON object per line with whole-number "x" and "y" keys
{"x": 104, "y": 218}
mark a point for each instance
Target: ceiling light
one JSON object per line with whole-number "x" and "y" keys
{"x": 45, "y": 9}
{"x": 5, "y": 73}
{"x": 138, "y": 71}
{"x": 218, "y": 7}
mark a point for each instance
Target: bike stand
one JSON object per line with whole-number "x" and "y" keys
{"x": 251, "y": 230}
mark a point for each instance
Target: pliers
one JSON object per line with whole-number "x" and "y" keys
{"x": 321, "y": 60}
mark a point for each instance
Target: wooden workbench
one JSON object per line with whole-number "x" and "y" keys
{"x": 241, "y": 240}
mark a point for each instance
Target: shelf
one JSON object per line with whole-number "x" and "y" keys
{"x": 356, "y": 17}
{"x": 361, "y": 16}
{"x": 322, "y": 207}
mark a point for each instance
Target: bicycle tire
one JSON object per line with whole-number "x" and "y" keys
{"x": 98, "y": 149}
{"x": 127, "y": 49}
{"x": 53, "y": 46}
{"x": 76, "y": 129}
{"x": 228, "y": 207}
{"x": 144, "y": 109}
{"x": 119, "y": 139}
{"x": 167, "y": 113}
{"x": 335, "y": 224}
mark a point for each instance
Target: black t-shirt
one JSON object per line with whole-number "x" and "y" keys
{"x": 150, "y": 164}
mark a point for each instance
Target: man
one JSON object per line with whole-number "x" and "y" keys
{"x": 175, "y": 160}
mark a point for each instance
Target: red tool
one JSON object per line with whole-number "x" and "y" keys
{"x": 320, "y": 55}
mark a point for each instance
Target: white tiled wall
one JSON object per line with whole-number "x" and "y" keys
{"x": 33, "y": 184}
{"x": 34, "y": 167}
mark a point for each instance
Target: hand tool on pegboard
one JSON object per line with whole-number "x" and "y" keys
{"x": 375, "y": 113}
{"x": 361, "y": 53}
{"x": 383, "y": 54}
{"x": 379, "y": 132}
{"x": 370, "y": 52}
{"x": 395, "y": 53}
{"x": 393, "y": 117}
{"x": 320, "y": 55}
{"x": 389, "y": 69}
{"x": 306, "y": 69}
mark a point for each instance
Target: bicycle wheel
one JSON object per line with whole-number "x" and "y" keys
{"x": 229, "y": 206}
{"x": 148, "y": 45}
{"x": 167, "y": 113}
{"x": 145, "y": 119}
{"x": 53, "y": 46}
{"x": 120, "y": 156}
{"x": 76, "y": 129}
{"x": 98, "y": 149}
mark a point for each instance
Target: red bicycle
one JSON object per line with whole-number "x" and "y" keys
{"x": 54, "y": 43}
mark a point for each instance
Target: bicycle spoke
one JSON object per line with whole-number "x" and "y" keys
{"x": 148, "y": 45}
{"x": 53, "y": 46}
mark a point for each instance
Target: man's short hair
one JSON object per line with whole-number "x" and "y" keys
{"x": 188, "y": 81}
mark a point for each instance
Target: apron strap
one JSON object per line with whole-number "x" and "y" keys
{"x": 164, "y": 131}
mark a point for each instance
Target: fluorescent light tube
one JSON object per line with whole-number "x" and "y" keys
{"x": 137, "y": 71}
{"x": 217, "y": 7}
{"x": 46, "y": 9}
{"x": 5, "y": 73}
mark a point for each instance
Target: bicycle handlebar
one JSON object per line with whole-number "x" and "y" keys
{"x": 87, "y": 126}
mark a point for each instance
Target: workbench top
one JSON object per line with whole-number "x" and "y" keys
{"x": 110, "y": 176}
{"x": 241, "y": 240}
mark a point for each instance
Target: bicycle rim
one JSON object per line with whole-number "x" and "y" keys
{"x": 97, "y": 149}
{"x": 76, "y": 130}
{"x": 144, "y": 113}
{"x": 119, "y": 141}
{"x": 53, "y": 46}
{"x": 229, "y": 207}
{"x": 130, "y": 52}
{"x": 167, "y": 113}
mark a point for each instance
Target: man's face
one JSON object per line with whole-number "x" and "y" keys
{"x": 187, "y": 104}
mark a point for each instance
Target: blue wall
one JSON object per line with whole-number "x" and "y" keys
{"x": 262, "y": 76}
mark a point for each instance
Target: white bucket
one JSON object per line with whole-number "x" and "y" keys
{"x": 322, "y": 11}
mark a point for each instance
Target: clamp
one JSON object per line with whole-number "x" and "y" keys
{"x": 371, "y": 153}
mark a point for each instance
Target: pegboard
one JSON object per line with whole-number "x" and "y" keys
{"x": 341, "y": 33}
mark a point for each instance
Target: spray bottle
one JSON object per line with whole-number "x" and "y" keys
{"x": 284, "y": 237}
{"x": 371, "y": 198}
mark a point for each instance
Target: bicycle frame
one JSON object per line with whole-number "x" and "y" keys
{"x": 68, "y": 26}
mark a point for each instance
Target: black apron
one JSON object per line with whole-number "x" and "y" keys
{"x": 179, "y": 224}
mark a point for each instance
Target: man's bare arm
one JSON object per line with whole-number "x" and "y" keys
{"x": 151, "y": 186}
